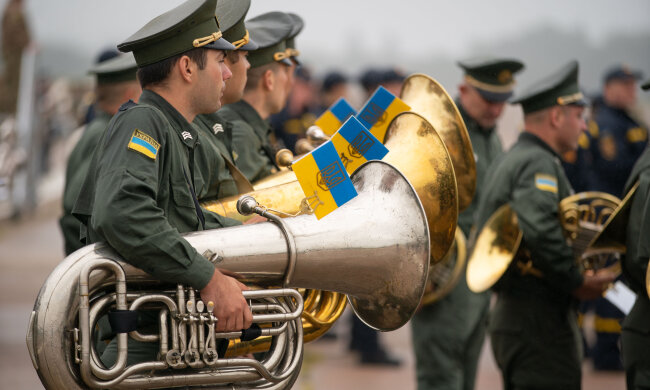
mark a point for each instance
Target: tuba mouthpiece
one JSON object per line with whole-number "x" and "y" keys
{"x": 246, "y": 205}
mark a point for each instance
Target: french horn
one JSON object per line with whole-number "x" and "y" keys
{"x": 375, "y": 249}
{"x": 498, "y": 244}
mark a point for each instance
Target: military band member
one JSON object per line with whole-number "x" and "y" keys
{"x": 138, "y": 196}
{"x": 603, "y": 162}
{"x": 265, "y": 93}
{"x": 216, "y": 175}
{"x": 617, "y": 140}
{"x": 291, "y": 122}
{"x": 115, "y": 84}
{"x": 448, "y": 334}
{"x": 635, "y": 336}
{"x": 533, "y": 327}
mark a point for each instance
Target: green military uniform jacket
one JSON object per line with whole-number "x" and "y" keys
{"x": 212, "y": 177}
{"x": 636, "y": 326}
{"x": 75, "y": 174}
{"x": 140, "y": 202}
{"x": 487, "y": 148}
{"x": 448, "y": 334}
{"x": 252, "y": 149}
{"x": 533, "y": 328}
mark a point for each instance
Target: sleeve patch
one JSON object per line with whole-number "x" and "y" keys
{"x": 144, "y": 143}
{"x": 546, "y": 182}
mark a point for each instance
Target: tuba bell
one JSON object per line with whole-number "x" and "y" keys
{"x": 375, "y": 249}
{"x": 429, "y": 99}
{"x": 498, "y": 245}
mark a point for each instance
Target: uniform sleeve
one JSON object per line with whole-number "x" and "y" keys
{"x": 638, "y": 232}
{"x": 536, "y": 202}
{"x": 126, "y": 213}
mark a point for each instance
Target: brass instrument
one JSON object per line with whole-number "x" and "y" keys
{"x": 429, "y": 99}
{"x": 416, "y": 150}
{"x": 582, "y": 216}
{"x": 444, "y": 275}
{"x": 381, "y": 234}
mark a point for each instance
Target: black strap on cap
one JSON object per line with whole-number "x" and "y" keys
{"x": 123, "y": 321}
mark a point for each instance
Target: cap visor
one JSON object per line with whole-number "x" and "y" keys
{"x": 494, "y": 97}
{"x": 296, "y": 60}
{"x": 251, "y": 45}
{"x": 286, "y": 61}
{"x": 220, "y": 44}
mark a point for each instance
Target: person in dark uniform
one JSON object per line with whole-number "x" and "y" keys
{"x": 617, "y": 139}
{"x": 115, "y": 84}
{"x": 635, "y": 337}
{"x": 604, "y": 161}
{"x": 448, "y": 334}
{"x": 138, "y": 196}
{"x": 533, "y": 327}
{"x": 216, "y": 175}
{"x": 265, "y": 94}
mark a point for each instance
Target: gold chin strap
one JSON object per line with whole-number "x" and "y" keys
{"x": 242, "y": 41}
{"x": 564, "y": 100}
{"x": 280, "y": 55}
{"x": 199, "y": 42}
{"x": 292, "y": 52}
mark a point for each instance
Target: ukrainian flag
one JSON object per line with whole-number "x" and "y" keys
{"x": 323, "y": 179}
{"x": 356, "y": 145}
{"x": 380, "y": 110}
{"x": 335, "y": 116}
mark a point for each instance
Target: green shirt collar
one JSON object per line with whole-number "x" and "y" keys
{"x": 183, "y": 128}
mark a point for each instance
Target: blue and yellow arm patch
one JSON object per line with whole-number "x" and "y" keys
{"x": 144, "y": 143}
{"x": 546, "y": 182}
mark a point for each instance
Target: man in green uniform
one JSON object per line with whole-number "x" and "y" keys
{"x": 265, "y": 93}
{"x": 533, "y": 327}
{"x": 138, "y": 196}
{"x": 448, "y": 334}
{"x": 216, "y": 175}
{"x": 116, "y": 84}
{"x": 635, "y": 336}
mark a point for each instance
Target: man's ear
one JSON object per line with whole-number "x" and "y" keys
{"x": 556, "y": 114}
{"x": 268, "y": 80}
{"x": 186, "y": 68}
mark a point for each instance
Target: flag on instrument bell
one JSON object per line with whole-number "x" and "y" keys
{"x": 380, "y": 110}
{"x": 323, "y": 179}
{"x": 332, "y": 119}
{"x": 356, "y": 145}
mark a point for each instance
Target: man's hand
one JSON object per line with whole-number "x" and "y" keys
{"x": 230, "y": 307}
{"x": 594, "y": 285}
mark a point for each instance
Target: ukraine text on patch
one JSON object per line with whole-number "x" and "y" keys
{"x": 546, "y": 182}
{"x": 144, "y": 143}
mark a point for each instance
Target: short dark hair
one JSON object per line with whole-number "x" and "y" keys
{"x": 157, "y": 72}
{"x": 254, "y": 75}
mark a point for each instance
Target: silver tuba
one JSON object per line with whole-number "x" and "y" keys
{"x": 375, "y": 249}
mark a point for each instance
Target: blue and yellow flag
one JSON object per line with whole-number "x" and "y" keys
{"x": 324, "y": 180}
{"x": 144, "y": 143}
{"x": 356, "y": 145}
{"x": 380, "y": 110}
{"x": 332, "y": 119}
